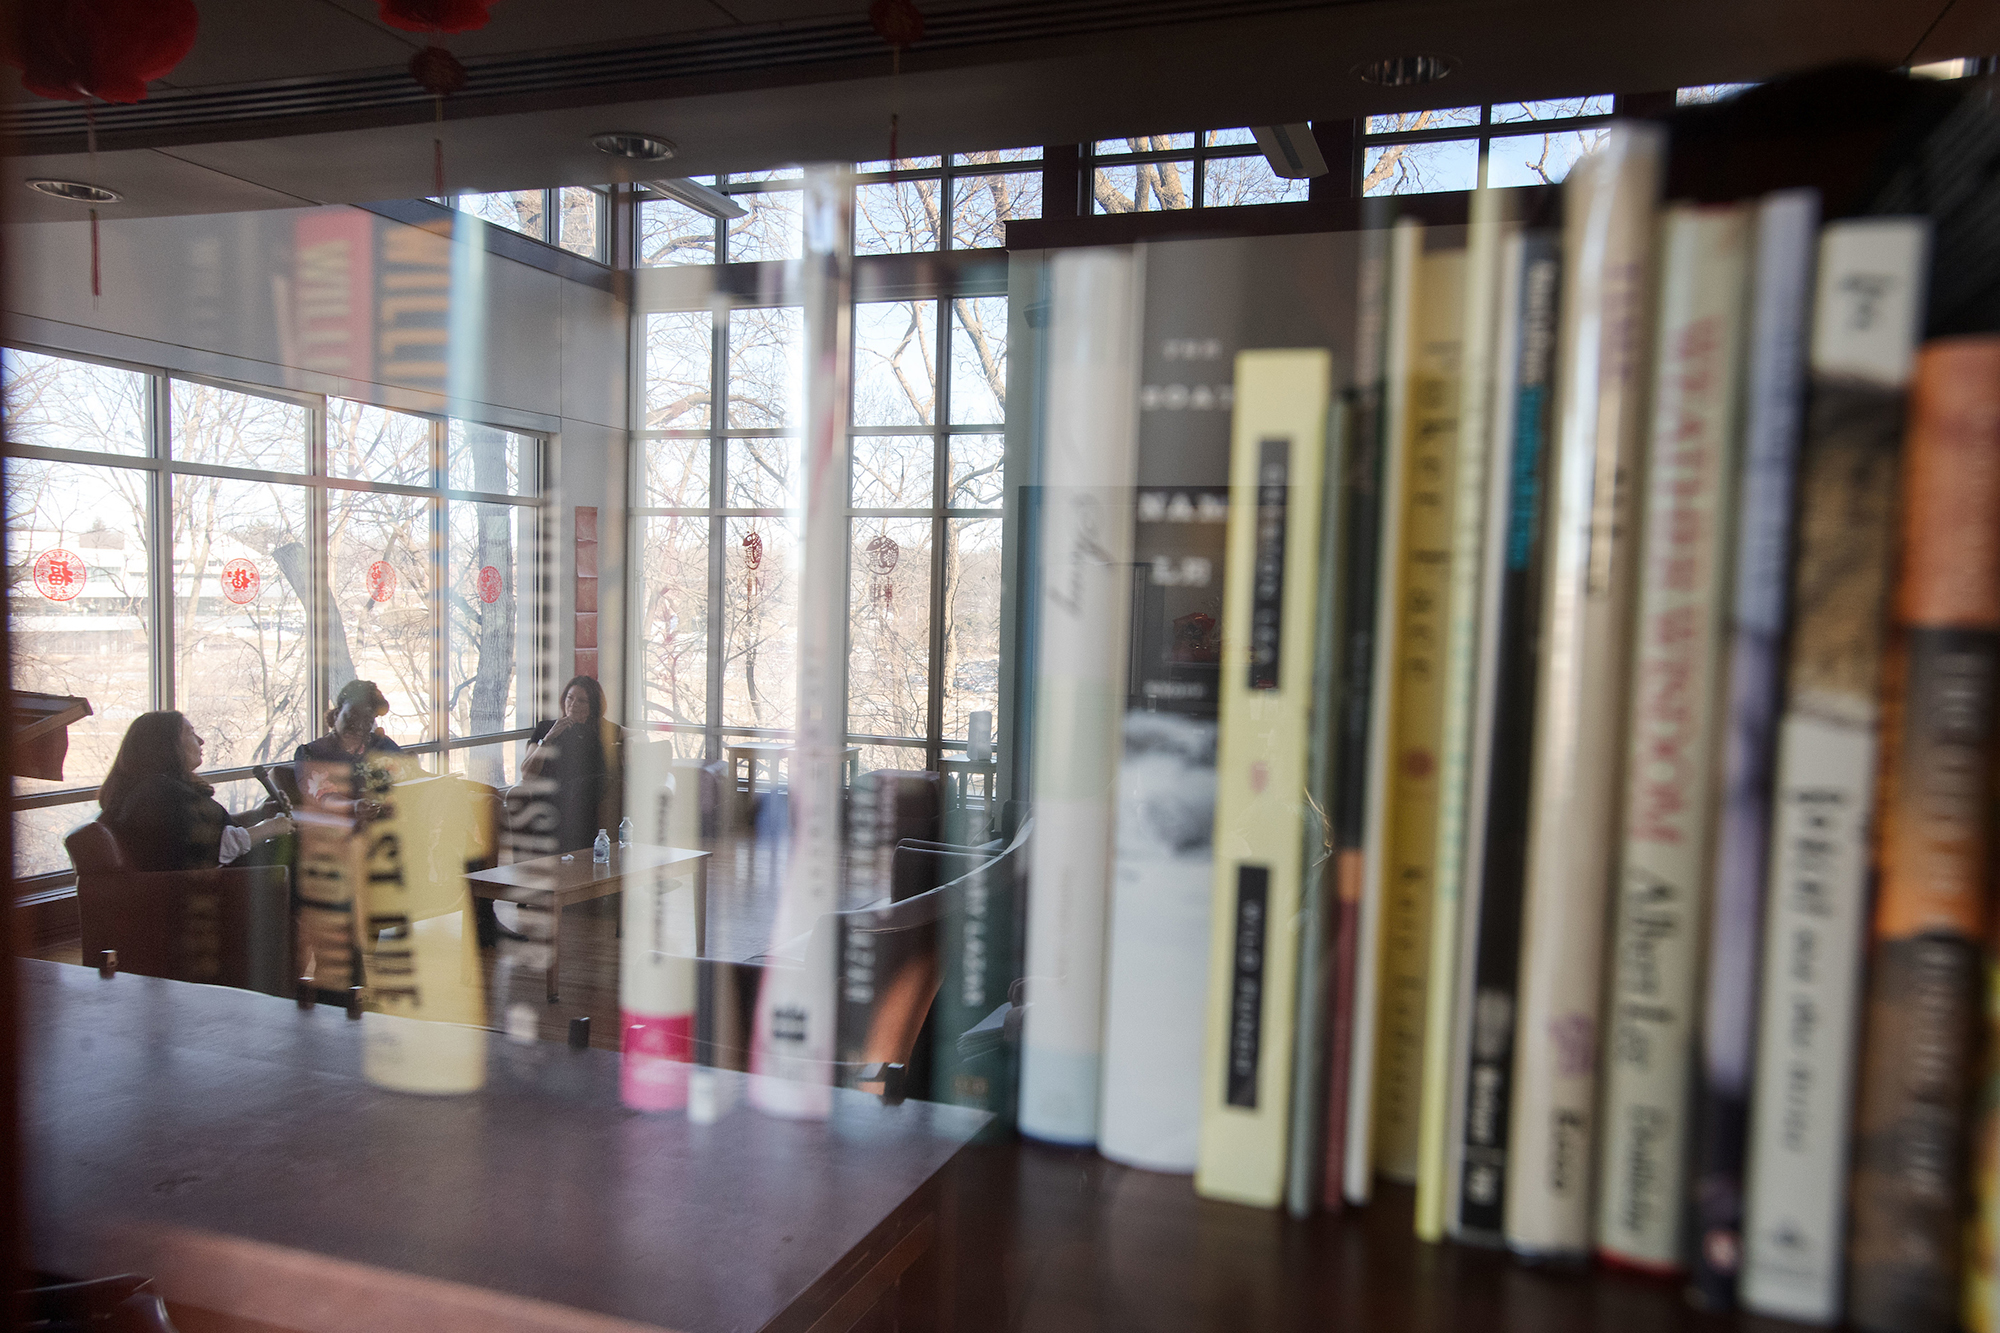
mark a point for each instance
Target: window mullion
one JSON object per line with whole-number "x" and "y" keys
{"x": 440, "y": 548}
{"x": 162, "y": 537}
{"x": 940, "y": 493}
{"x": 718, "y": 526}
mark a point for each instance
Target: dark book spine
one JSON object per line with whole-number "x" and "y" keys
{"x": 1361, "y": 532}
{"x": 1502, "y": 871}
{"x": 1924, "y": 989}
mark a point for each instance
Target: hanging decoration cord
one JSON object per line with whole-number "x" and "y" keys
{"x": 900, "y": 24}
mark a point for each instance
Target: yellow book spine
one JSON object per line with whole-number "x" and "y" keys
{"x": 1277, "y": 465}
{"x": 1423, "y": 594}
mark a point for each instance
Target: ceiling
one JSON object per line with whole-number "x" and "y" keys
{"x": 310, "y": 101}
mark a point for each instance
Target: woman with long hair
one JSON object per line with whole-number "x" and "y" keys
{"x": 166, "y": 818}
{"x": 582, "y": 752}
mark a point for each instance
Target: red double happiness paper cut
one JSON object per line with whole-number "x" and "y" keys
{"x": 59, "y": 574}
{"x": 489, "y": 585}
{"x": 241, "y": 582}
{"x": 381, "y": 580}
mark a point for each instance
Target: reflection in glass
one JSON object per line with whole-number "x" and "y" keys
{"x": 1420, "y": 168}
{"x": 670, "y": 620}
{"x": 490, "y": 460}
{"x": 976, "y": 478}
{"x": 378, "y": 556}
{"x": 484, "y": 564}
{"x": 1144, "y": 187}
{"x": 680, "y": 360}
{"x": 229, "y": 429}
{"x": 893, "y": 472}
{"x": 895, "y": 368}
{"x": 978, "y": 361}
{"x": 759, "y": 622}
{"x": 971, "y": 665}
{"x": 54, "y": 403}
{"x": 1538, "y": 159}
{"x": 889, "y": 626}
{"x": 899, "y": 217}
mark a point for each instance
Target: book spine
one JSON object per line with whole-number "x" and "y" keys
{"x": 1775, "y": 386}
{"x": 1086, "y": 515}
{"x": 1306, "y": 1156}
{"x": 1496, "y": 856}
{"x": 1795, "y": 1203}
{"x": 1360, "y": 538}
{"x": 1405, "y": 251}
{"x": 1278, "y": 454}
{"x": 1610, "y": 199}
{"x": 1931, "y": 851}
{"x": 1981, "y": 1298}
{"x": 1670, "y": 765}
{"x": 1461, "y": 643}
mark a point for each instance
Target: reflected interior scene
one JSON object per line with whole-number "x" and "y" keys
{"x": 911, "y": 667}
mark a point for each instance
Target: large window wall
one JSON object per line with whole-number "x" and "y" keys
{"x": 239, "y": 554}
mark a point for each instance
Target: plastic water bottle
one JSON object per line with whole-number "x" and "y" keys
{"x": 625, "y": 831}
{"x": 600, "y": 851}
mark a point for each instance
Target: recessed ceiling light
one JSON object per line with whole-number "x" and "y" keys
{"x": 76, "y": 192}
{"x": 1404, "y": 71}
{"x": 638, "y": 147}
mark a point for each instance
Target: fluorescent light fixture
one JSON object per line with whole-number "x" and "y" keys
{"x": 1291, "y": 150}
{"x": 697, "y": 196}
{"x": 634, "y": 145}
{"x": 1404, "y": 71}
{"x": 76, "y": 192}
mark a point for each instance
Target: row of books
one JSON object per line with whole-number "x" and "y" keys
{"x": 1590, "y": 714}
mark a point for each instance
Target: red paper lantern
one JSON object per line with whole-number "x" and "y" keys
{"x": 897, "y": 22}
{"x": 436, "y": 15}
{"x": 74, "y": 50}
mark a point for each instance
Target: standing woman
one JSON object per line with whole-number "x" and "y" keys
{"x": 583, "y": 753}
{"x": 165, "y": 817}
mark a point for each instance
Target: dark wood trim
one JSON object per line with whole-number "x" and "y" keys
{"x": 1340, "y": 144}
{"x": 1062, "y": 181}
{"x": 1443, "y": 209}
{"x": 43, "y": 920}
{"x": 499, "y": 241}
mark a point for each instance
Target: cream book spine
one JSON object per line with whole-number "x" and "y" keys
{"x": 1277, "y": 469}
{"x": 1358, "y": 1164}
{"x": 1610, "y": 202}
{"x": 1673, "y": 735}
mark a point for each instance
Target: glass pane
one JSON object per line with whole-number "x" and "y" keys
{"x": 1708, "y": 92}
{"x": 976, "y": 477}
{"x": 486, "y": 458}
{"x": 1145, "y": 188}
{"x": 770, "y": 230}
{"x": 495, "y": 765}
{"x": 889, "y": 626}
{"x": 516, "y": 210}
{"x": 766, "y": 366}
{"x": 988, "y": 156}
{"x": 772, "y": 174}
{"x": 978, "y": 361}
{"x": 1555, "y": 108}
{"x": 672, "y": 233}
{"x": 971, "y": 666}
{"x": 760, "y": 633}
{"x": 674, "y": 474}
{"x": 79, "y": 600}
{"x": 39, "y": 834}
{"x": 1218, "y": 138}
{"x": 895, "y": 363}
{"x": 1228, "y": 182}
{"x": 680, "y": 362}
{"x": 1420, "y": 168}
{"x": 902, "y": 217}
{"x": 581, "y": 214}
{"x": 378, "y": 553}
{"x": 60, "y": 404}
{"x": 374, "y": 444}
{"x": 981, "y": 207}
{"x": 487, "y": 550}
{"x": 671, "y": 624}
{"x": 1398, "y": 122}
{"x": 1538, "y": 159}
{"x": 899, "y": 164}
{"x": 892, "y": 758}
{"x": 230, "y": 429}
{"x": 893, "y": 472}
{"x": 1144, "y": 143}
{"x": 762, "y": 469}
{"x": 242, "y": 571}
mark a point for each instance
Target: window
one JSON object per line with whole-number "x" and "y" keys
{"x": 1524, "y": 143}
{"x": 1708, "y": 92}
{"x": 908, "y": 206}
{"x": 1212, "y": 169}
{"x": 571, "y": 217}
{"x": 195, "y": 540}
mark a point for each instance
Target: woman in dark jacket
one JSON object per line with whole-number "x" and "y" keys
{"x": 582, "y": 753}
{"x": 165, "y": 817}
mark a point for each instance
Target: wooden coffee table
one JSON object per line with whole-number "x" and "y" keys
{"x": 554, "y": 883}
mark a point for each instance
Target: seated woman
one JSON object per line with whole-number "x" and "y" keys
{"x": 584, "y": 754}
{"x": 326, "y": 768}
{"x": 165, "y": 817}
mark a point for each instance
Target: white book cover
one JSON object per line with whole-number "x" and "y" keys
{"x": 1088, "y": 470}
{"x": 1868, "y": 297}
{"x": 1610, "y": 200}
{"x": 1672, "y": 746}
{"x": 1405, "y": 248}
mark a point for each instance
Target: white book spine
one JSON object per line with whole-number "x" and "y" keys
{"x": 1671, "y": 756}
{"x": 1088, "y": 470}
{"x": 1405, "y": 248}
{"x": 1867, "y": 298}
{"x": 1610, "y": 202}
